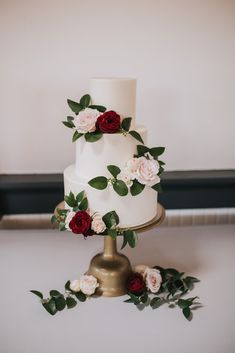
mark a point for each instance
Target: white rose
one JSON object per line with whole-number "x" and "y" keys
{"x": 132, "y": 166}
{"x": 75, "y": 285}
{"x": 88, "y": 284}
{"x": 98, "y": 224}
{"x": 147, "y": 171}
{"x": 153, "y": 279}
{"x": 126, "y": 176}
{"x": 86, "y": 120}
{"x": 69, "y": 216}
{"x": 141, "y": 269}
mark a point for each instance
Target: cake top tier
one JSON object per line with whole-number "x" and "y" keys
{"x": 118, "y": 94}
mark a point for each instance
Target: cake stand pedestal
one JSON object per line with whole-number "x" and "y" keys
{"x": 112, "y": 268}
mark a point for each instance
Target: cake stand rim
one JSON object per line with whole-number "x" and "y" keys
{"x": 156, "y": 221}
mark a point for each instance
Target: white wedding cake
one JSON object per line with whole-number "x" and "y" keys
{"x": 118, "y": 149}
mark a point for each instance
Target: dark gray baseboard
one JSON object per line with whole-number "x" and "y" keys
{"x": 40, "y": 193}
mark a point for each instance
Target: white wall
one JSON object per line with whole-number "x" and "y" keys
{"x": 182, "y": 52}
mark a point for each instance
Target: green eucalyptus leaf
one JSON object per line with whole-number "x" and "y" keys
{"x": 183, "y": 303}
{"x": 85, "y": 100}
{"x": 60, "y": 303}
{"x": 187, "y": 313}
{"x": 124, "y": 243}
{"x": 50, "y": 306}
{"x": 172, "y": 272}
{"x": 74, "y": 106}
{"x": 126, "y": 124}
{"x": 67, "y": 286}
{"x": 135, "y": 299}
{"x": 120, "y": 188}
{"x": 83, "y": 205}
{"x": 70, "y": 302}
{"x": 53, "y": 219}
{"x": 62, "y": 226}
{"x": 55, "y": 293}
{"x": 81, "y": 296}
{"x": 112, "y": 233}
{"x": 100, "y": 108}
{"x": 155, "y": 302}
{"x": 76, "y": 136}
{"x": 93, "y": 136}
{"x": 136, "y": 188}
{"x": 99, "y": 182}
{"x": 114, "y": 170}
{"x": 144, "y": 298}
{"x": 70, "y": 200}
{"x": 111, "y": 219}
{"x": 68, "y": 124}
{"x": 192, "y": 279}
{"x": 80, "y": 196}
{"x": 141, "y": 150}
{"x": 37, "y": 293}
{"x": 70, "y": 118}
{"x": 61, "y": 211}
{"x": 160, "y": 171}
{"x": 131, "y": 237}
{"x": 156, "y": 151}
{"x": 136, "y": 135}
{"x": 157, "y": 187}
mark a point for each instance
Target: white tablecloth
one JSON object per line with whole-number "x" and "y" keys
{"x": 46, "y": 259}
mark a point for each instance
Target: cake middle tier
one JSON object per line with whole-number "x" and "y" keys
{"x": 92, "y": 158}
{"x": 132, "y": 210}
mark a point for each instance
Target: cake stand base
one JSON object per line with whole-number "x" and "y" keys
{"x": 112, "y": 268}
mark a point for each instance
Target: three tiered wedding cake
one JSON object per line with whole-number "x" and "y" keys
{"x": 113, "y": 165}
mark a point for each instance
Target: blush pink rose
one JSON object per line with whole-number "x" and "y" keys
{"x": 75, "y": 285}
{"x": 153, "y": 279}
{"x": 147, "y": 171}
{"x": 88, "y": 284}
{"x": 86, "y": 120}
{"x": 98, "y": 224}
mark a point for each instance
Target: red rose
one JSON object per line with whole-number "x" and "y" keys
{"x": 109, "y": 122}
{"x": 80, "y": 223}
{"x": 135, "y": 284}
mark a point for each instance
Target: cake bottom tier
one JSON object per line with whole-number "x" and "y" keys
{"x": 132, "y": 210}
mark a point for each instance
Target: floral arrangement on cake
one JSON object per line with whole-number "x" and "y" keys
{"x": 144, "y": 169}
{"x": 92, "y": 121}
{"x": 146, "y": 287}
{"x": 79, "y": 219}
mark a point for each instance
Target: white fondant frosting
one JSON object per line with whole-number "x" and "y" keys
{"x": 132, "y": 210}
{"x": 118, "y": 94}
{"x": 92, "y": 158}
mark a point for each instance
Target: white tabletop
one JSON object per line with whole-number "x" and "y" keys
{"x": 46, "y": 259}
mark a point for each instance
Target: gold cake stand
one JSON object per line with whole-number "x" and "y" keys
{"x": 112, "y": 268}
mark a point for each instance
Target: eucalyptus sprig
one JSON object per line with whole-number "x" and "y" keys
{"x": 101, "y": 182}
{"x": 57, "y": 301}
{"x": 171, "y": 278}
{"x": 175, "y": 285}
